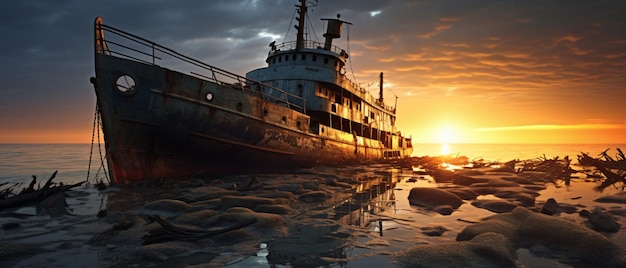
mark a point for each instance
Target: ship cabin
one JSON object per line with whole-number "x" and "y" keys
{"x": 337, "y": 106}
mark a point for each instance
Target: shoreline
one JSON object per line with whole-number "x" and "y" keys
{"x": 284, "y": 205}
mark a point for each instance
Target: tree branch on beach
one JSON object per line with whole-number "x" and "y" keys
{"x": 613, "y": 169}
{"x": 29, "y": 195}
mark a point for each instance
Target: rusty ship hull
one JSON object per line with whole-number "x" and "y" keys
{"x": 163, "y": 123}
{"x": 167, "y": 128}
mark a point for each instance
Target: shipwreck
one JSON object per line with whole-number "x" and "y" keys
{"x": 299, "y": 111}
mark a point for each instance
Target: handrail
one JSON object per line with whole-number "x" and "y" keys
{"x": 291, "y": 45}
{"x": 131, "y": 44}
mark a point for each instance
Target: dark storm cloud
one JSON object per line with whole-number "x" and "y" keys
{"x": 536, "y": 52}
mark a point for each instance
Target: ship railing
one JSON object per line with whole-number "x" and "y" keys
{"x": 291, "y": 45}
{"x": 126, "y": 45}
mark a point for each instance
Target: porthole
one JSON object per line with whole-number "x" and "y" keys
{"x": 125, "y": 84}
{"x": 298, "y": 123}
{"x": 265, "y": 113}
{"x": 209, "y": 96}
{"x": 239, "y": 106}
{"x": 284, "y": 119}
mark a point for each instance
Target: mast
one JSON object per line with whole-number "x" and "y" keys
{"x": 380, "y": 94}
{"x": 302, "y": 9}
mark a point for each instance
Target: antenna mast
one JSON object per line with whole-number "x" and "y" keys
{"x": 302, "y": 9}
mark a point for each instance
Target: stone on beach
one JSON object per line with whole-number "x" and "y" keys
{"x": 525, "y": 228}
{"x": 207, "y": 193}
{"x": 165, "y": 207}
{"x": 463, "y": 193}
{"x": 497, "y": 206}
{"x": 433, "y": 197}
{"x": 485, "y": 250}
{"x": 250, "y": 201}
{"x": 551, "y": 207}
{"x": 197, "y": 218}
{"x": 619, "y": 198}
{"x": 602, "y": 221}
{"x": 313, "y": 196}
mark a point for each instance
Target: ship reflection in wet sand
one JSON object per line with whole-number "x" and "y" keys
{"x": 313, "y": 245}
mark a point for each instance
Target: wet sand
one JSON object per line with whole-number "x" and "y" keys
{"x": 354, "y": 216}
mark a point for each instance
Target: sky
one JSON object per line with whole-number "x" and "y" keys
{"x": 480, "y": 71}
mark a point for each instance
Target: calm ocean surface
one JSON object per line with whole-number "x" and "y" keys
{"x": 18, "y": 162}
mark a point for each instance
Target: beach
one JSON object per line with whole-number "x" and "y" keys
{"x": 360, "y": 216}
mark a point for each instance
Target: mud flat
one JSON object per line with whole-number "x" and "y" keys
{"x": 365, "y": 216}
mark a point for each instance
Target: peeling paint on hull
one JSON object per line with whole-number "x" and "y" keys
{"x": 168, "y": 128}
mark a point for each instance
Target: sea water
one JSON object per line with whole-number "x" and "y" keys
{"x": 19, "y": 162}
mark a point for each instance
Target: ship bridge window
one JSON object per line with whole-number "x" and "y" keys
{"x": 333, "y": 108}
{"x": 314, "y": 58}
{"x": 125, "y": 84}
{"x": 300, "y": 90}
{"x": 325, "y": 60}
{"x": 294, "y": 57}
{"x": 280, "y": 58}
{"x": 303, "y": 57}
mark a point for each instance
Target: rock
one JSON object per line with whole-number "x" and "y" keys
{"x": 313, "y": 196}
{"x": 292, "y": 188}
{"x": 275, "y": 209}
{"x": 249, "y": 201}
{"x": 524, "y": 227}
{"x": 268, "y": 225}
{"x": 603, "y": 221}
{"x": 551, "y": 207}
{"x": 466, "y": 181}
{"x": 486, "y": 250}
{"x": 434, "y": 230}
{"x": 584, "y": 213}
{"x": 433, "y": 197}
{"x": 463, "y": 193}
{"x": 519, "y": 180}
{"x": 331, "y": 181}
{"x": 198, "y": 218}
{"x": 278, "y": 194}
{"x": 495, "y": 183}
{"x": 207, "y": 193}
{"x": 165, "y": 207}
{"x": 619, "y": 198}
{"x": 525, "y": 199}
{"x": 444, "y": 209}
{"x": 309, "y": 185}
{"x": 497, "y": 206}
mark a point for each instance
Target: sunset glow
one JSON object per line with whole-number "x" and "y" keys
{"x": 462, "y": 72}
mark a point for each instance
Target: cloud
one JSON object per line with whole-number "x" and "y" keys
{"x": 554, "y": 127}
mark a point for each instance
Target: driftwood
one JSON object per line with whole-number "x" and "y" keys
{"x": 30, "y": 195}
{"x": 555, "y": 168}
{"x": 613, "y": 169}
{"x": 170, "y": 231}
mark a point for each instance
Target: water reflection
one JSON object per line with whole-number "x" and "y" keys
{"x": 322, "y": 241}
{"x": 371, "y": 196}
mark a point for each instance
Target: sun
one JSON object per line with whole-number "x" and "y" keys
{"x": 447, "y": 134}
